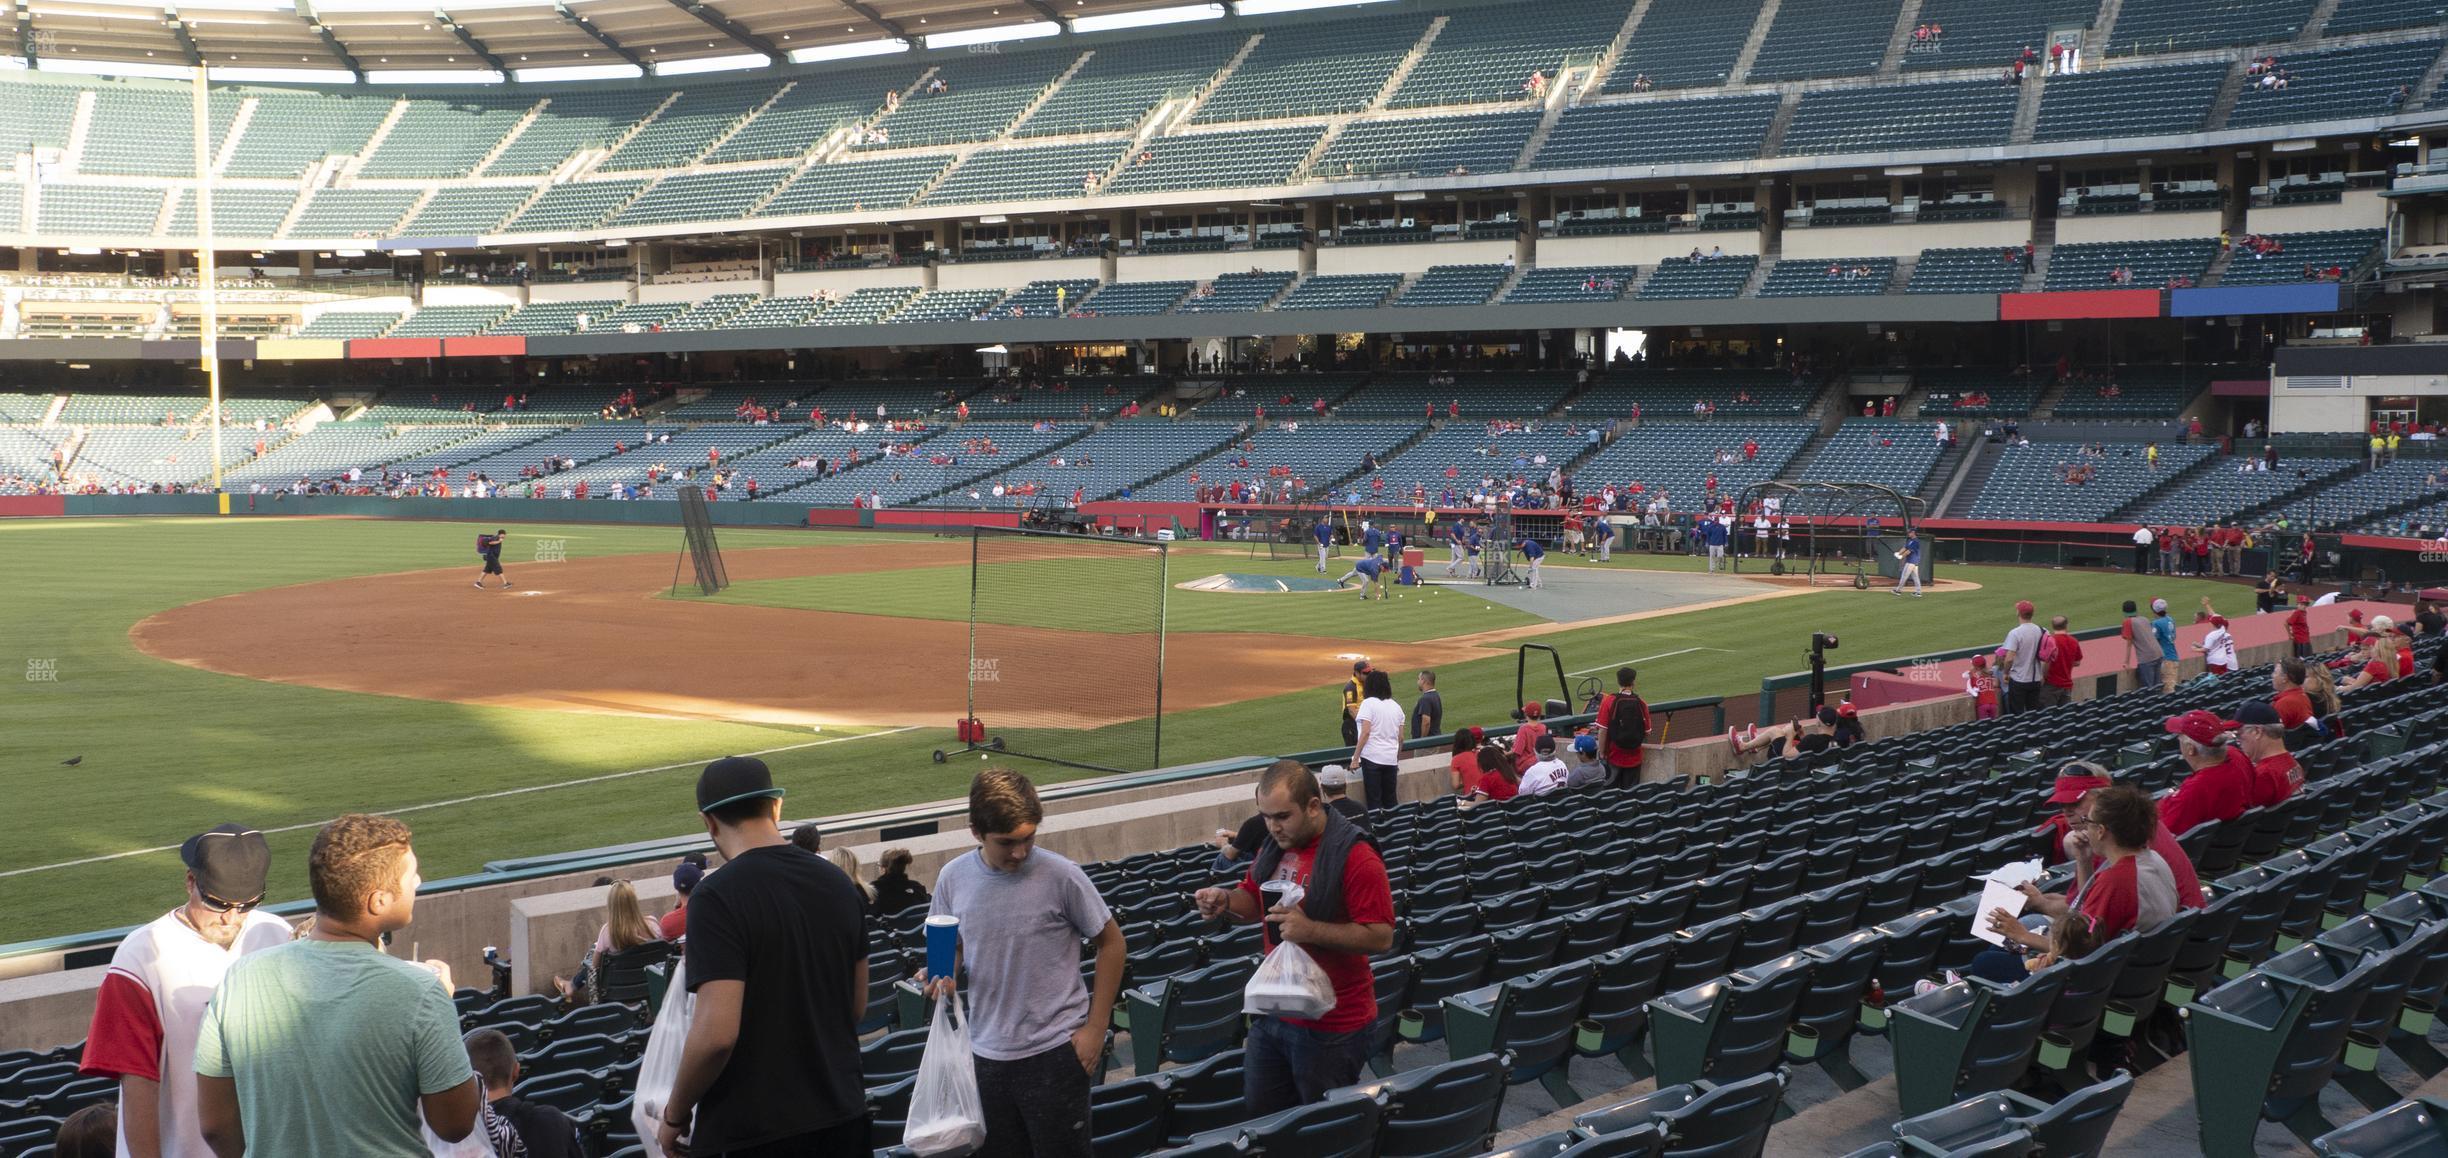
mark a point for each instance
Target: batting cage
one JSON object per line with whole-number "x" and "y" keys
{"x": 1066, "y": 648}
{"x": 1291, "y": 533}
{"x": 1842, "y": 533}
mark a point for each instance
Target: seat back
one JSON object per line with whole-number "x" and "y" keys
{"x": 1205, "y": 1009}
{"x": 1539, "y": 1018}
{"x": 1593, "y": 930}
{"x": 624, "y": 976}
{"x": 1750, "y": 1035}
{"x": 1441, "y": 1111}
{"x": 1525, "y": 949}
{"x": 2077, "y": 1126}
{"x": 1702, "y": 953}
{"x": 892, "y": 1057}
{"x": 1342, "y": 1127}
{"x": 1618, "y": 1003}
{"x": 2138, "y": 986}
{"x": 1730, "y": 1121}
{"x": 1913, "y": 943}
{"x": 1203, "y": 1097}
{"x": 1830, "y": 1003}
{"x": 1127, "y": 1118}
{"x": 1831, "y": 913}
{"x": 2076, "y": 1013}
{"x": 1452, "y": 968}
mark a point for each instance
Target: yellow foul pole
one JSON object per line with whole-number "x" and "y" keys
{"x": 204, "y": 263}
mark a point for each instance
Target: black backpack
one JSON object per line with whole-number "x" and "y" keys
{"x": 1628, "y": 725}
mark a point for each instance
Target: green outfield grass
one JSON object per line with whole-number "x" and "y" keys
{"x": 169, "y": 750}
{"x": 1121, "y": 587}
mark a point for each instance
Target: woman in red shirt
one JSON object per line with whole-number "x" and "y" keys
{"x": 1499, "y": 779}
{"x": 1465, "y": 764}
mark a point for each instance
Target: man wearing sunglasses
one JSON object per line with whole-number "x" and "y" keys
{"x": 152, "y": 1000}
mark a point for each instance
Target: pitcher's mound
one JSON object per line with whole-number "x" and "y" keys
{"x": 1237, "y": 582}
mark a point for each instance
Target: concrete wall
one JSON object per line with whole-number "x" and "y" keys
{"x": 473, "y": 295}
{"x": 579, "y": 291}
{"x": 1641, "y": 248}
{"x": 2136, "y": 227}
{"x": 1900, "y": 240}
{"x": 2360, "y": 209}
{"x": 1013, "y": 274}
{"x": 845, "y": 281}
{"x": 2309, "y": 404}
{"x": 1203, "y": 266}
{"x": 1409, "y": 258}
{"x": 696, "y": 291}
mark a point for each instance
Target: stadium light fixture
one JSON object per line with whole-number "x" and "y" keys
{"x": 1148, "y": 18}
{"x": 1269, "y": 7}
{"x": 993, "y": 34}
{"x": 852, "y": 50}
{"x": 434, "y": 76}
{"x": 710, "y": 64}
{"x": 581, "y": 72}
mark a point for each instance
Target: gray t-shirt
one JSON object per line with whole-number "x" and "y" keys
{"x": 1020, "y": 939}
{"x": 2023, "y": 653}
{"x": 332, "y": 1043}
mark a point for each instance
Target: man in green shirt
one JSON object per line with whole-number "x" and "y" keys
{"x": 325, "y": 1045}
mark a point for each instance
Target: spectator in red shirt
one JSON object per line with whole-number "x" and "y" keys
{"x": 2071, "y": 788}
{"x": 2291, "y": 705}
{"x": 674, "y": 924}
{"x": 2299, "y": 627}
{"x": 1499, "y": 774}
{"x": 2057, "y": 676}
{"x": 1526, "y": 737}
{"x": 2220, "y": 786}
{"x": 2135, "y": 888}
{"x": 2370, "y": 665}
{"x": 2262, "y": 737}
{"x": 1621, "y": 740}
{"x": 1465, "y": 763}
{"x": 1345, "y": 914}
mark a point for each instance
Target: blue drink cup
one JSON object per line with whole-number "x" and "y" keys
{"x": 942, "y": 944}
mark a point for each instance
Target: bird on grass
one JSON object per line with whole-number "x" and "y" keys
{"x": 72, "y": 761}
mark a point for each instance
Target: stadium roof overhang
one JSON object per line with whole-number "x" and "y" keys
{"x": 479, "y": 39}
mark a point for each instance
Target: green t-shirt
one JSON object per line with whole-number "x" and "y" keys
{"x": 331, "y": 1043}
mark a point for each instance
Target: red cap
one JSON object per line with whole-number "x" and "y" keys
{"x": 2303, "y": 601}
{"x": 1534, "y": 709}
{"x": 2355, "y": 615}
{"x": 1980, "y": 661}
{"x": 2199, "y": 726}
{"x": 1847, "y": 710}
{"x": 2023, "y": 607}
{"x": 2218, "y": 621}
{"x": 2071, "y": 788}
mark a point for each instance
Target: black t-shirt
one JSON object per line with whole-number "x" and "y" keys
{"x": 787, "y": 923}
{"x": 1253, "y": 833}
{"x": 1351, "y": 810}
{"x": 2432, "y": 622}
{"x": 1428, "y": 715}
{"x": 545, "y": 1131}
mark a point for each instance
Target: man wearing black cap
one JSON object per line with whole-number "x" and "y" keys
{"x": 777, "y": 956}
{"x": 152, "y": 1000}
{"x": 489, "y": 549}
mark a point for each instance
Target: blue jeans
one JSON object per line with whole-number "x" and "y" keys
{"x": 1286, "y": 1066}
{"x": 2146, "y": 676}
{"x": 1379, "y": 780}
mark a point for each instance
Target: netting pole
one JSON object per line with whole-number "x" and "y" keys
{"x": 1164, "y": 583}
{"x": 969, "y": 679}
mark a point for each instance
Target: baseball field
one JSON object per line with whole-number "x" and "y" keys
{"x": 164, "y": 675}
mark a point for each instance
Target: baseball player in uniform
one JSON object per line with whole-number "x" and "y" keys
{"x": 1531, "y": 551}
{"x": 1323, "y": 532}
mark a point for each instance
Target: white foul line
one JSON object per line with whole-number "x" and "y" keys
{"x": 469, "y": 799}
{"x": 1607, "y": 666}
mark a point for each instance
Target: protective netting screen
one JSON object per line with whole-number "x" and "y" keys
{"x": 1066, "y": 647}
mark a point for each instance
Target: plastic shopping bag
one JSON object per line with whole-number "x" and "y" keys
{"x": 660, "y": 1066}
{"x": 1289, "y": 983}
{"x": 945, "y": 1115}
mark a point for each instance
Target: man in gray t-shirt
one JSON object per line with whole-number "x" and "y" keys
{"x": 1037, "y": 1031}
{"x": 2023, "y": 668}
{"x": 325, "y": 1045}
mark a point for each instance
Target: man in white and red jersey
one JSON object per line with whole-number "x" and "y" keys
{"x": 162, "y": 976}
